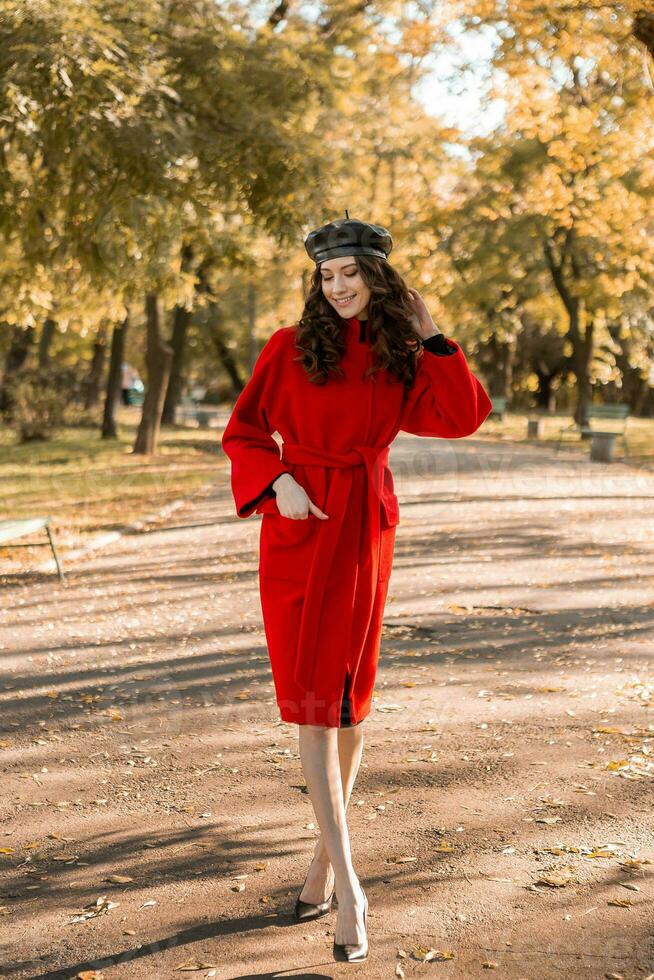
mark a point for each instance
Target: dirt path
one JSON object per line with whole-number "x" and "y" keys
{"x": 511, "y": 740}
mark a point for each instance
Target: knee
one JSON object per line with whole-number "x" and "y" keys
{"x": 316, "y": 735}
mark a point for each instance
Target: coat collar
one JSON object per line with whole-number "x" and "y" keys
{"x": 358, "y": 328}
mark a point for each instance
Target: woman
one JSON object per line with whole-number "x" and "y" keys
{"x": 364, "y": 362}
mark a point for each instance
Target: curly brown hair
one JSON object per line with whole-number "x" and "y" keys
{"x": 320, "y": 333}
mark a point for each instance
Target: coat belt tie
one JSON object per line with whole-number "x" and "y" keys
{"x": 365, "y": 564}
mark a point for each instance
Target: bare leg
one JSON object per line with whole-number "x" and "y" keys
{"x": 320, "y": 877}
{"x": 320, "y": 761}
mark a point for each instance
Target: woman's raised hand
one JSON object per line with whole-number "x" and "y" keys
{"x": 421, "y": 319}
{"x": 293, "y": 500}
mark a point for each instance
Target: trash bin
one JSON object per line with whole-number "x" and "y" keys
{"x": 136, "y": 393}
{"x": 534, "y": 428}
{"x": 204, "y": 417}
{"x": 602, "y": 447}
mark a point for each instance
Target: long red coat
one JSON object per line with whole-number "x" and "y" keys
{"x": 323, "y": 583}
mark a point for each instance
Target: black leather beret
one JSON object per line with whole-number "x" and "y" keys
{"x": 347, "y": 236}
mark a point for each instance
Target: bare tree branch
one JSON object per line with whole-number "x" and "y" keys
{"x": 279, "y": 13}
{"x": 643, "y": 30}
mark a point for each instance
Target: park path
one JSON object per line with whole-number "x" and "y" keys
{"x": 503, "y": 812}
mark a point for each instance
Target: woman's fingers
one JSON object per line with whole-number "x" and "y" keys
{"x": 317, "y": 511}
{"x": 294, "y": 502}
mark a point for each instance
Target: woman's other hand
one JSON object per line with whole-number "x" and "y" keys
{"x": 293, "y": 500}
{"x": 422, "y": 321}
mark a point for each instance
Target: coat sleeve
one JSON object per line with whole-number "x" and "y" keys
{"x": 446, "y": 400}
{"x": 248, "y": 441}
{"x": 438, "y": 344}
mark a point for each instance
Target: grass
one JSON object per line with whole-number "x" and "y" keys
{"x": 87, "y": 484}
{"x": 513, "y": 428}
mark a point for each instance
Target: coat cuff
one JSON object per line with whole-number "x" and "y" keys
{"x": 439, "y": 344}
{"x": 245, "y": 510}
{"x": 269, "y": 492}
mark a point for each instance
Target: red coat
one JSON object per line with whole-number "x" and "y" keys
{"x": 323, "y": 583}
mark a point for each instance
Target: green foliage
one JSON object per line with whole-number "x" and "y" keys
{"x": 39, "y": 401}
{"x": 187, "y": 148}
{"x": 122, "y": 134}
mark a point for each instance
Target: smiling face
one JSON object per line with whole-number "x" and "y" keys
{"x": 344, "y": 288}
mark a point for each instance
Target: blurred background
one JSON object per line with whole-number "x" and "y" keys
{"x": 161, "y": 164}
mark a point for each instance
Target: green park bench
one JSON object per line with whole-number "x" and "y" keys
{"x": 498, "y": 407}
{"x": 207, "y": 416}
{"x": 204, "y": 415}
{"x": 617, "y": 415}
{"x": 189, "y": 410}
{"x": 11, "y": 530}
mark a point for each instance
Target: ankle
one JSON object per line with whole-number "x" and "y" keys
{"x": 320, "y": 856}
{"x": 351, "y": 893}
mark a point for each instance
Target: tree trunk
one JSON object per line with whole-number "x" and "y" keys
{"x": 224, "y": 353}
{"x": 181, "y": 321}
{"x": 93, "y": 380}
{"x": 639, "y": 397}
{"x": 546, "y": 395}
{"x": 18, "y": 355}
{"x": 580, "y": 326}
{"x": 647, "y": 408}
{"x": 109, "y": 430}
{"x": 45, "y": 342}
{"x": 158, "y": 359}
{"x": 279, "y": 13}
{"x": 22, "y": 342}
{"x": 507, "y": 372}
{"x": 582, "y": 346}
{"x": 498, "y": 367}
{"x": 643, "y": 29}
{"x": 551, "y": 401}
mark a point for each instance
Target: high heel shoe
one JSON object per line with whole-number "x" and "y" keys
{"x": 354, "y": 952}
{"x": 307, "y": 911}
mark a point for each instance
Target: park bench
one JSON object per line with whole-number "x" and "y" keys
{"x": 498, "y": 409}
{"x": 187, "y": 410}
{"x": 207, "y": 416}
{"x": 603, "y": 438}
{"x": 11, "y": 530}
{"x": 204, "y": 415}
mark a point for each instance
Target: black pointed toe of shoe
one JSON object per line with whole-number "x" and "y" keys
{"x": 354, "y": 952}
{"x": 306, "y": 911}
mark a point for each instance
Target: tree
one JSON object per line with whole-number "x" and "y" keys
{"x": 109, "y": 430}
{"x": 167, "y": 148}
{"x": 567, "y": 173}
{"x": 158, "y": 359}
{"x": 93, "y": 382}
{"x": 45, "y": 341}
{"x": 181, "y": 322}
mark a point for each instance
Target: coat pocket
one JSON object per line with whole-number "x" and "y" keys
{"x": 386, "y": 553}
{"x": 287, "y": 546}
{"x": 390, "y": 505}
